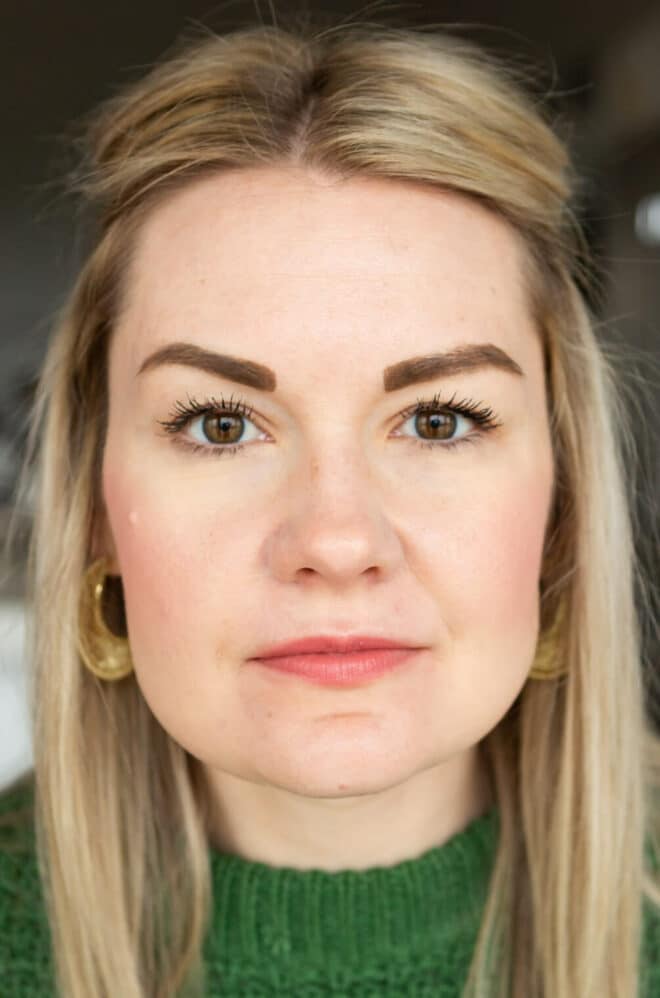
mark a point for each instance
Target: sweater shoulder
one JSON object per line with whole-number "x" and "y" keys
{"x": 17, "y": 829}
{"x": 650, "y": 953}
{"x": 24, "y": 936}
{"x": 16, "y": 806}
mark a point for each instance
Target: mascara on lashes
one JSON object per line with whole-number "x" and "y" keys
{"x": 184, "y": 413}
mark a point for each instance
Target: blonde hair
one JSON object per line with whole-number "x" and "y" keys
{"x": 575, "y": 762}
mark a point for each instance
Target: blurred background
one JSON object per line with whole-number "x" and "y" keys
{"x": 599, "y": 62}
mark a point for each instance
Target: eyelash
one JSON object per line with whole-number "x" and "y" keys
{"x": 183, "y": 413}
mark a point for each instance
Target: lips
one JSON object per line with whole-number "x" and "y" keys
{"x": 331, "y": 644}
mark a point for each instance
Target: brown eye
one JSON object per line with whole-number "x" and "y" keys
{"x": 220, "y": 428}
{"x": 436, "y": 425}
{"x": 213, "y": 426}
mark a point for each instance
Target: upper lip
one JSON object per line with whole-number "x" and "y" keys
{"x": 339, "y": 644}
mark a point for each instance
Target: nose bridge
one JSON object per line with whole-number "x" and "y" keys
{"x": 337, "y": 466}
{"x": 333, "y": 523}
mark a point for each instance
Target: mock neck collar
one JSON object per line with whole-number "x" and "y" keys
{"x": 352, "y": 918}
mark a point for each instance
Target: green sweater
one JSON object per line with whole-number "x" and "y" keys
{"x": 407, "y": 929}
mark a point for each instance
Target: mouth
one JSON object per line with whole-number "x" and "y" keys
{"x": 340, "y": 669}
{"x": 337, "y": 644}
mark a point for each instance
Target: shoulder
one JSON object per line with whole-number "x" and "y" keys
{"x": 17, "y": 797}
{"x": 24, "y": 934}
{"x": 650, "y": 951}
{"x": 17, "y": 819}
{"x": 650, "y": 958}
{"x": 18, "y": 861}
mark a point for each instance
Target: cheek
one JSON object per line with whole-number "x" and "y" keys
{"x": 508, "y": 558}
{"x": 515, "y": 528}
{"x": 179, "y": 566}
{"x": 171, "y": 608}
{"x": 486, "y": 572}
{"x": 160, "y": 549}
{"x": 486, "y": 560}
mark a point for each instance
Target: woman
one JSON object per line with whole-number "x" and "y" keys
{"x": 347, "y": 261}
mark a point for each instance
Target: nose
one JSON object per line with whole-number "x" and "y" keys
{"x": 334, "y": 524}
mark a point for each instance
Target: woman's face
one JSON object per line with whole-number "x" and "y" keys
{"x": 336, "y": 516}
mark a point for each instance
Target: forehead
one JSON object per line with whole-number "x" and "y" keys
{"x": 259, "y": 259}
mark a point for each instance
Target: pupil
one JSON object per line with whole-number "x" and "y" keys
{"x": 216, "y": 427}
{"x": 439, "y": 421}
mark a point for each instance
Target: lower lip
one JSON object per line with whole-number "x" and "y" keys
{"x": 341, "y": 670}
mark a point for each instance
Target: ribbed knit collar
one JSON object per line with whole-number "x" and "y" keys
{"x": 348, "y": 921}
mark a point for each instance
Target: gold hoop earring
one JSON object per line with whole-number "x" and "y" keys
{"x": 546, "y": 665}
{"x": 105, "y": 653}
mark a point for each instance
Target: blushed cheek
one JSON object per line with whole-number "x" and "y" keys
{"x": 142, "y": 554}
{"x": 516, "y": 556}
{"x": 161, "y": 553}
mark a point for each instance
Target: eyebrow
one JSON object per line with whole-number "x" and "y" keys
{"x": 458, "y": 360}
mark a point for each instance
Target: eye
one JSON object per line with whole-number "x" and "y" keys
{"x": 442, "y": 421}
{"x": 224, "y": 428}
{"x": 437, "y": 427}
{"x": 215, "y": 426}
